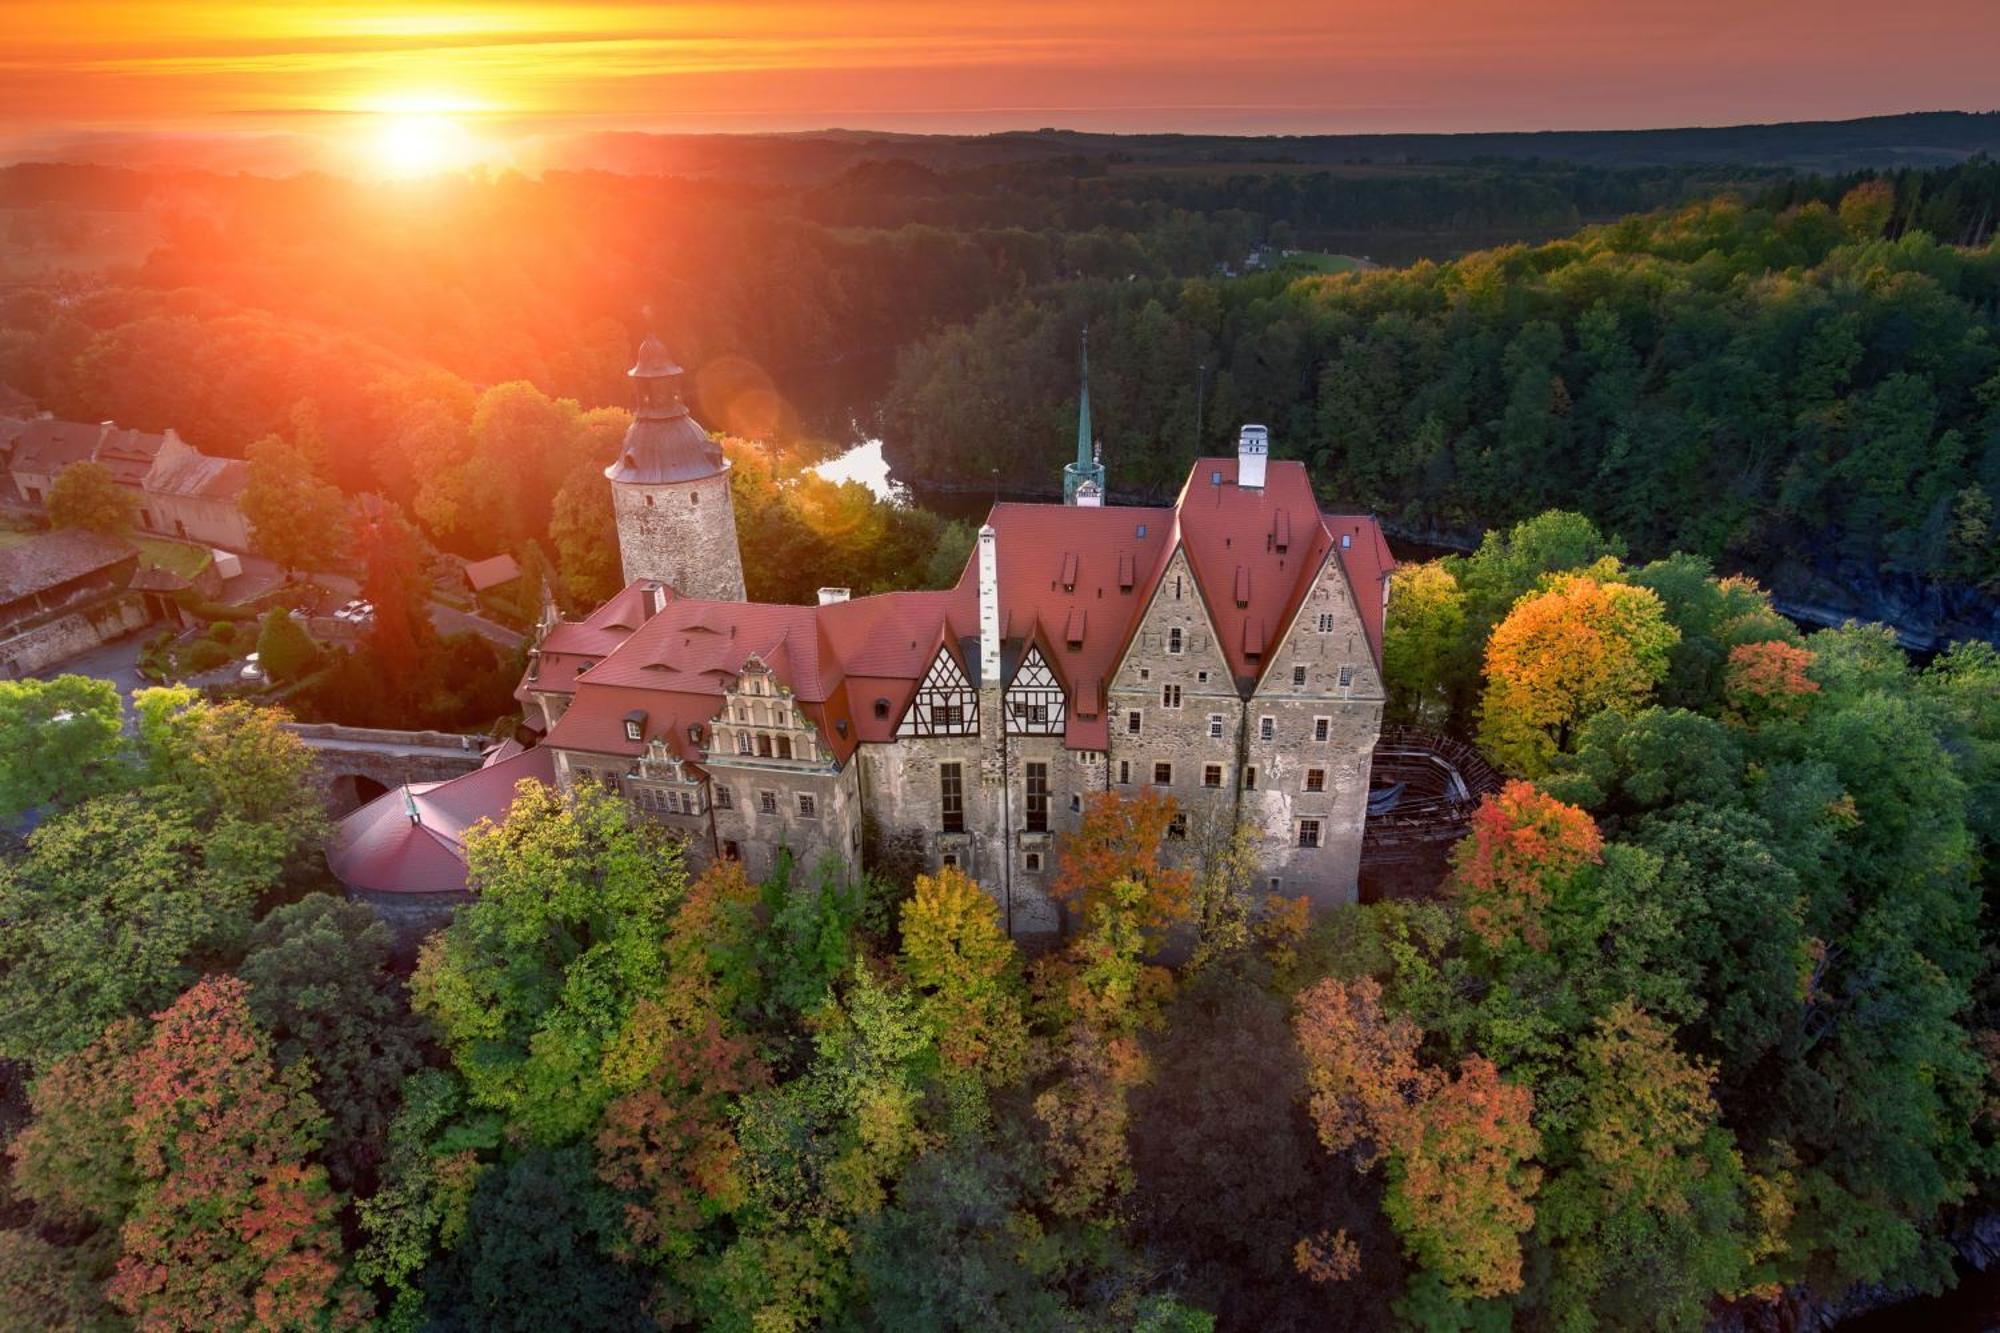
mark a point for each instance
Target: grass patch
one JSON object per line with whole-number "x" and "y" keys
{"x": 1319, "y": 261}
{"x": 183, "y": 559}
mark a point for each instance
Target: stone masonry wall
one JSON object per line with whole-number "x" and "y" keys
{"x": 79, "y": 631}
{"x": 683, "y": 535}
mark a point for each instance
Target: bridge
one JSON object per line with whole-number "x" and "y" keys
{"x": 357, "y": 764}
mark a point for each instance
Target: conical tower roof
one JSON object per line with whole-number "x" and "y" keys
{"x": 664, "y": 443}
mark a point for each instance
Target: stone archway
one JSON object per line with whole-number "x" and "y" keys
{"x": 348, "y": 792}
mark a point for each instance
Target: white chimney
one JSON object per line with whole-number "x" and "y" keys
{"x": 989, "y": 606}
{"x": 1253, "y": 448}
{"x": 1088, "y": 496}
{"x": 656, "y": 599}
{"x": 829, "y": 596}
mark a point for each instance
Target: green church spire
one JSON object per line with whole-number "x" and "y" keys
{"x": 1087, "y": 467}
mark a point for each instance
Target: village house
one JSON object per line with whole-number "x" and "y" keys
{"x": 1224, "y": 650}
{"x": 177, "y": 490}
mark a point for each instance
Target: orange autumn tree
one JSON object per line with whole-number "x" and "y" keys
{"x": 233, "y": 1225}
{"x": 1119, "y": 840}
{"x": 1522, "y": 843}
{"x": 1458, "y": 1149}
{"x": 1460, "y": 1180}
{"x": 1564, "y": 655}
{"x": 1362, "y": 1070}
{"x": 1768, "y": 680}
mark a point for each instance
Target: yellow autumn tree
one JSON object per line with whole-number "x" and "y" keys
{"x": 1563, "y": 655}
{"x": 967, "y": 973}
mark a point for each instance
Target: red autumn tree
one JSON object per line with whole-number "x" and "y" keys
{"x": 1361, "y": 1066}
{"x": 1768, "y": 680}
{"x": 1459, "y": 1180}
{"x": 1119, "y": 840}
{"x": 669, "y": 1145}
{"x": 1522, "y": 843}
{"x": 75, "y": 1159}
{"x": 231, "y": 1227}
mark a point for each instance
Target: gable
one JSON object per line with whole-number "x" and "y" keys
{"x": 1329, "y": 638}
{"x": 1035, "y": 702}
{"x": 1175, "y": 634}
{"x": 945, "y": 703}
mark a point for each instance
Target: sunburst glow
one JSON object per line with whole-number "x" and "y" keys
{"x": 409, "y": 144}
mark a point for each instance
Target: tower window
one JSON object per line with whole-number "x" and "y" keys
{"x": 649, "y": 502}
{"x": 694, "y": 497}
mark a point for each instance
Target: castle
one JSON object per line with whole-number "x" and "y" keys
{"x": 1225, "y": 650}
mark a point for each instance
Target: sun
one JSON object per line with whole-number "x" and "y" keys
{"x": 410, "y": 144}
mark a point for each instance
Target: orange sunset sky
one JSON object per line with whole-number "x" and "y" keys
{"x": 1275, "y": 65}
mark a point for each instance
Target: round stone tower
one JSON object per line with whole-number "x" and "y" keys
{"x": 670, "y": 490}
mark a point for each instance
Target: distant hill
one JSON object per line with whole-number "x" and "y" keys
{"x": 1916, "y": 139}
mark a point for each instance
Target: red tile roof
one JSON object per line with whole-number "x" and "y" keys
{"x": 1073, "y": 579}
{"x": 379, "y": 849}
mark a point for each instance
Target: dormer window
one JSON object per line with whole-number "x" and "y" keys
{"x": 694, "y": 734}
{"x": 635, "y": 726}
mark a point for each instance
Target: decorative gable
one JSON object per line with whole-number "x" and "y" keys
{"x": 945, "y": 704}
{"x": 1035, "y": 698}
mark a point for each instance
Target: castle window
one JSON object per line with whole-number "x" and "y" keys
{"x": 1322, "y": 728}
{"x": 1145, "y": 673}
{"x": 1075, "y": 803}
{"x": 1326, "y": 622}
{"x": 1132, "y": 723}
{"x": 1308, "y": 833}
{"x": 1174, "y": 640}
{"x": 1346, "y": 677}
{"x": 1315, "y": 779}
{"x": 534, "y": 667}
{"x": 1032, "y": 863}
{"x": 1211, "y": 775}
{"x": 1170, "y": 696}
{"x": 723, "y": 800}
{"x": 742, "y": 742}
{"x": 1298, "y": 677}
{"x": 694, "y": 498}
{"x": 1250, "y": 778}
{"x": 1177, "y": 587}
{"x": 635, "y": 726}
{"x": 649, "y": 502}
{"x": 1177, "y": 830}
{"x": 1267, "y": 729}
{"x": 1276, "y": 884}
{"x": 1163, "y": 774}
{"x": 763, "y": 746}
{"x": 808, "y": 807}
{"x": 694, "y": 734}
{"x": 767, "y": 802}
{"x": 1038, "y": 798}
{"x": 951, "y": 799}
{"x": 1215, "y": 726}
{"x": 947, "y": 717}
{"x": 951, "y": 860}
{"x": 730, "y": 851}
{"x": 784, "y": 747}
{"x": 1201, "y": 676}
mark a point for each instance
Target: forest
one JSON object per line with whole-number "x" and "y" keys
{"x": 1700, "y": 1025}
{"x": 1803, "y": 384}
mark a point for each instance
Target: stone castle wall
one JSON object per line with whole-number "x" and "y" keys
{"x": 683, "y": 535}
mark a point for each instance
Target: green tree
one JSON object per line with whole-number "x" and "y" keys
{"x": 296, "y": 520}
{"x": 59, "y": 740}
{"x": 1426, "y": 655}
{"x": 284, "y": 649}
{"x": 84, "y": 496}
{"x": 535, "y": 1253}
{"x": 321, "y": 986}
{"x": 535, "y": 979}
{"x": 115, "y": 908}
